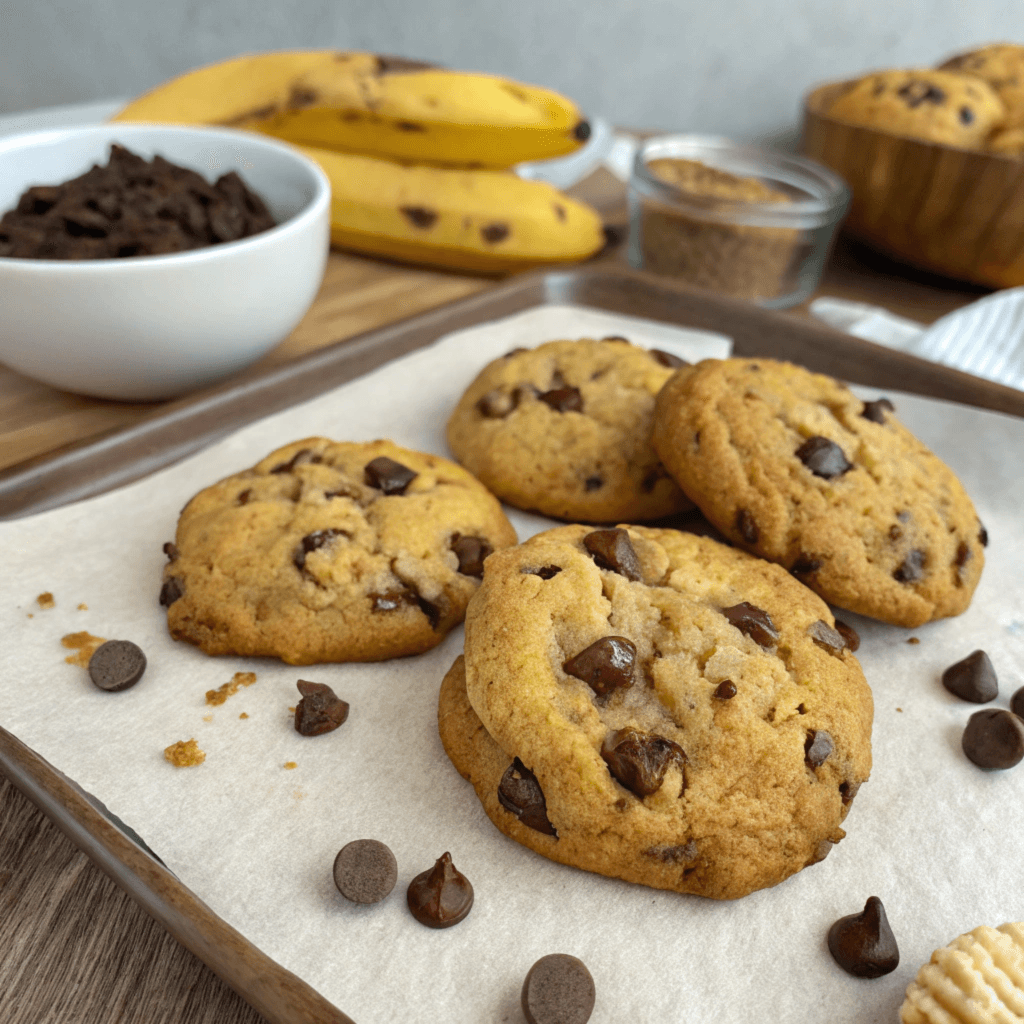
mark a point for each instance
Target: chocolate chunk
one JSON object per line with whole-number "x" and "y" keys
{"x": 441, "y": 896}
{"x": 817, "y": 747}
{"x": 994, "y": 739}
{"x": 171, "y": 551}
{"x": 963, "y": 555}
{"x": 558, "y": 990}
{"x": 388, "y": 476}
{"x": 311, "y": 542}
{"x": 639, "y": 761}
{"x": 849, "y": 634}
{"x": 613, "y": 550}
{"x": 244, "y": 496}
{"x": 593, "y": 483}
{"x": 365, "y": 871}
{"x": 563, "y": 399}
{"x": 171, "y": 591}
{"x": 847, "y": 791}
{"x": 581, "y": 131}
{"x": 419, "y": 216}
{"x": 606, "y": 665}
{"x": 320, "y": 710}
{"x": 911, "y": 569}
{"x": 673, "y": 854}
{"x": 471, "y": 552}
{"x": 982, "y": 536}
{"x": 494, "y": 233}
{"x": 805, "y": 565}
{"x": 117, "y": 665}
{"x": 725, "y": 690}
{"x": 746, "y": 526}
{"x": 545, "y": 572}
{"x": 826, "y": 637}
{"x": 823, "y": 457}
{"x": 972, "y": 679}
{"x": 520, "y": 794}
{"x": 875, "y": 411}
{"x": 669, "y": 359}
{"x": 302, "y": 457}
{"x": 863, "y": 944}
{"x": 754, "y": 622}
{"x": 966, "y": 115}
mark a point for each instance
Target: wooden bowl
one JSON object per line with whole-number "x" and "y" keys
{"x": 956, "y": 212}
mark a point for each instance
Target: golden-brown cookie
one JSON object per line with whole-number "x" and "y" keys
{"x": 331, "y": 551}
{"x": 1001, "y": 66}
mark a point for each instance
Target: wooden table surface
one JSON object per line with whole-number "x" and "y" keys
{"x": 73, "y": 946}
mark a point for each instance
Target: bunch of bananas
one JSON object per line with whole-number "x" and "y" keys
{"x": 417, "y": 156}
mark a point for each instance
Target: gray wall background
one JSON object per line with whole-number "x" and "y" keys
{"x": 738, "y": 67}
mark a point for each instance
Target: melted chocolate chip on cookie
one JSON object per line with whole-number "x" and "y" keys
{"x": 746, "y": 526}
{"x": 606, "y": 665}
{"x": 823, "y": 457}
{"x": 754, "y": 622}
{"x": 673, "y": 362}
{"x": 312, "y": 542}
{"x": 875, "y": 411}
{"x": 640, "y": 761}
{"x": 567, "y": 399}
{"x": 612, "y": 549}
{"x": 520, "y": 794}
{"x": 849, "y": 634}
{"x": 826, "y": 637}
{"x": 171, "y": 591}
{"x": 471, "y": 552}
{"x": 911, "y": 569}
{"x": 817, "y": 747}
{"x": 302, "y": 457}
{"x": 388, "y": 476}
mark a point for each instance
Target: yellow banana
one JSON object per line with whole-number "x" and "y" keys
{"x": 479, "y": 220}
{"x": 381, "y": 106}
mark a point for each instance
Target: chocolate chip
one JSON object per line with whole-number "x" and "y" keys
{"x": 847, "y": 791}
{"x": 171, "y": 551}
{"x": 495, "y": 405}
{"x": 669, "y": 359}
{"x": 805, "y": 565}
{"x": 300, "y": 458}
{"x": 558, "y": 990}
{"x": 613, "y": 550}
{"x": 606, "y": 665}
{"x": 320, "y": 710}
{"x": 117, "y": 665}
{"x": 441, "y": 896}
{"x": 1017, "y": 702}
{"x": 746, "y": 527}
{"x": 311, "y": 542}
{"x": 972, "y": 679}
{"x": 826, "y": 637}
{"x": 593, "y": 483}
{"x": 419, "y": 216}
{"x": 651, "y": 478}
{"x": 917, "y": 92}
{"x": 966, "y": 115}
{"x": 494, "y": 233}
{"x": 863, "y": 944}
{"x": 388, "y": 476}
{"x": 823, "y": 457}
{"x": 673, "y": 854}
{"x": 171, "y": 591}
{"x": 817, "y": 747}
{"x": 365, "y": 871}
{"x": 563, "y": 399}
{"x": 911, "y": 569}
{"x": 963, "y": 555}
{"x": 725, "y": 690}
{"x": 994, "y": 739}
{"x": 639, "y": 761}
{"x": 849, "y": 634}
{"x": 875, "y": 411}
{"x": 545, "y": 572}
{"x": 471, "y": 552}
{"x": 244, "y": 496}
{"x": 982, "y": 536}
{"x": 520, "y": 794}
{"x": 754, "y": 622}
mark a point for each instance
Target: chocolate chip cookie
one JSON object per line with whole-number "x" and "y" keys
{"x": 564, "y": 429}
{"x": 331, "y": 551}
{"x": 1001, "y": 66}
{"x": 792, "y": 466}
{"x": 658, "y": 707}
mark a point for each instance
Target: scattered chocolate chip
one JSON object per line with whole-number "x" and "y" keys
{"x": 613, "y": 550}
{"x": 805, "y": 565}
{"x": 545, "y": 572}
{"x": 520, "y": 794}
{"x": 171, "y": 551}
{"x": 639, "y": 761}
{"x": 593, "y": 483}
{"x": 558, "y": 990}
{"x": 311, "y": 542}
{"x": 419, "y": 216}
{"x": 494, "y": 233}
{"x": 746, "y": 526}
{"x": 300, "y": 458}
{"x": 669, "y": 359}
{"x": 365, "y": 871}
{"x": 320, "y": 710}
{"x": 911, "y": 569}
{"x": 972, "y": 679}
{"x": 1017, "y": 702}
{"x": 441, "y": 896}
{"x": 471, "y": 552}
{"x": 117, "y": 665}
{"x": 725, "y": 690}
{"x": 826, "y": 637}
{"x": 754, "y": 622}
{"x": 863, "y": 944}
{"x": 994, "y": 739}
{"x": 849, "y": 634}
{"x": 982, "y": 536}
{"x": 875, "y": 411}
{"x": 823, "y": 457}
{"x": 171, "y": 591}
{"x": 817, "y": 747}
{"x": 606, "y": 665}
{"x": 563, "y": 399}
{"x": 388, "y": 476}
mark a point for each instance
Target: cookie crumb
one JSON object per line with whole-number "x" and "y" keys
{"x": 85, "y": 643}
{"x": 899, "y": 709}
{"x": 207, "y": 718}
{"x": 243, "y": 715}
{"x": 31, "y": 616}
{"x": 913, "y": 640}
{"x": 184, "y": 754}
{"x": 83, "y": 607}
{"x": 45, "y": 600}
{"x": 221, "y": 694}
{"x": 289, "y": 765}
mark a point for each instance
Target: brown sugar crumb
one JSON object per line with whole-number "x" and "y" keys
{"x": 913, "y": 640}
{"x": 207, "y": 718}
{"x": 85, "y": 643}
{"x": 711, "y": 183}
{"x": 243, "y": 715}
{"x": 45, "y": 600}
{"x": 289, "y": 765}
{"x": 31, "y": 616}
{"x": 899, "y": 709}
{"x": 221, "y": 694}
{"x": 291, "y": 711}
{"x": 83, "y": 607}
{"x": 184, "y": 754}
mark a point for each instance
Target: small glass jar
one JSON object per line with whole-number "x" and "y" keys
{"x": 740, "y": 220}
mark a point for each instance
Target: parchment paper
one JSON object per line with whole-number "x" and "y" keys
{"x": 938, "y": 840}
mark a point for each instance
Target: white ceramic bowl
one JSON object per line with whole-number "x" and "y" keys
{"x": 152, "y": 327}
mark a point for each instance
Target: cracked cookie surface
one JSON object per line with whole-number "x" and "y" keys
{"x": 564, "y": 429}
{"x": 792, "y": 466}
{"x": 655, "y": 706}
{"x": 331, "y": 551}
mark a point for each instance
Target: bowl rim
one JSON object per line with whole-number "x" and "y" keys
{"x": 298, "y": 222}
